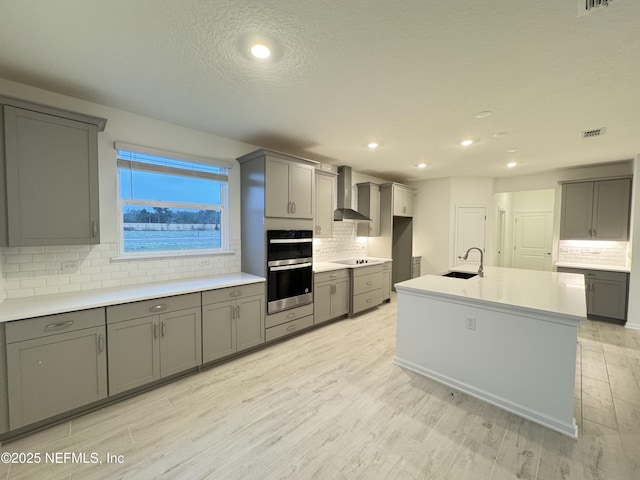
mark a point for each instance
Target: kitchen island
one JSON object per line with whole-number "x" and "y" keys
{"x": 508, "y": 338}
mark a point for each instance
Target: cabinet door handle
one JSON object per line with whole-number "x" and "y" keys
{"x": 155, "y": 329}
{"x": 59, "y": 325}
{"x": 368, "y": 300}
{"x": 291, "y": 315}
{"x": 238, "y": 312}
{"x": 369, "y": 283}
{"x": 94, "y": 229}
{"x": 233, "y": 312}
{"x": 162, "y": 328}
{"x": 158, "y": 308}
{"x": 235, "y": 293}
{"x": 595, "y": 232}
{"x": 291, "y": 328}
{"x": 289, "y": 207}
{"x": 101, "y": 342}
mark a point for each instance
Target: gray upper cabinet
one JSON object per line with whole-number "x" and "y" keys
{"x": 402, "y": 200}
{"x": 49, "y": 194}
{"x": 369, "y": 205}
{"x": 289, "y": 188}
{"x": 596, "y": 210}
{"x": 55, "y": 364}
{"x": 325, "y": 204}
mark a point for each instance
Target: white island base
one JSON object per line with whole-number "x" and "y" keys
{"x": 484, "y": 337}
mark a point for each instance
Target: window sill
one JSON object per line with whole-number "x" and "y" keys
{"x": 161, "y": 255}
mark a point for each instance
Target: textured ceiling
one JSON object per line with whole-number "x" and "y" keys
{"x": 410, "y": 74}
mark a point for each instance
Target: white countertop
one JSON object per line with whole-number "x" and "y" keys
{"x": 28, "y": 307}
{"x": 590, "y": 266}
{"x": 319, "y": 267}
{"x": 551, "y": 292}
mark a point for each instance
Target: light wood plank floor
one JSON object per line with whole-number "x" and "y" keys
{"x": 330, "y": 404}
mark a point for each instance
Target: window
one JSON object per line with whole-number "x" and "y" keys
{"x": 170, "y": 203}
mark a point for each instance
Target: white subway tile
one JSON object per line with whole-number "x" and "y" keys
{"x": 57, "y": 249}
{"x": 45, "y": 290}
{"x": 32, "y": 283}
{"x": 22, "y": 293}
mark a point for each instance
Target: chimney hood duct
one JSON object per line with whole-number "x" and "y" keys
{"x": 344, "y": 212}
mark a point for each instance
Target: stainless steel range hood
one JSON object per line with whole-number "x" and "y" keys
{"x": 344, "y": 212}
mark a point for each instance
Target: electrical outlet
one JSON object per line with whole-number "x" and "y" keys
{"x": 68, "y": 267}
{"x": 471, "y": 323}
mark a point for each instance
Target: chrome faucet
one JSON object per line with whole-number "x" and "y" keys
{"x": 466, "y": 255}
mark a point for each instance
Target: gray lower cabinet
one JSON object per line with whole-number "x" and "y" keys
{"x": 366, "y": 288}
{"x": 607, "y": 292}
{"x": 288, "y": 322}
{"x": 53, "y": 153}
{"x": 55, "y": 364}
{"x": 330, "y": 295}
{"x": 232, "y": 320}
{"x": 153, "y": 339}
{"x": 386, "y": 281}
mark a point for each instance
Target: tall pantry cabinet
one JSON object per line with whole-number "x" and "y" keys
{"x": 396, "y": 229}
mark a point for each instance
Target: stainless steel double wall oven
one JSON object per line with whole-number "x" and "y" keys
{"x": 289, "y": 267}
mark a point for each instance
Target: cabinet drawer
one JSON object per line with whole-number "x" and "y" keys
{"x": 330, "y": 276}
{"x": 386, "y": 266}
{"x": 231, "y": 293}
{"x": 367, "y": 283}
{"x": 368, "y": 270}
{"x": 288, "y": 315}
{"x": 289, "y": 328}
{"x": 128, "y": 311}
{"x": 52, "y": 324}
{"x": 367, "y": 300}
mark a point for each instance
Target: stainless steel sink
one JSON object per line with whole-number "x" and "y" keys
{"x": 464, "y": 275}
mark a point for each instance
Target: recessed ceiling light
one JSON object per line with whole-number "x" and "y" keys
{"x": 466, "y": 142}
{"x": 372, "y": 145}
{"x": 422, "y": 165}
{"x": 484, "y": 114}
{"x": 511, "y": 164}
{"x": 513, "y": 150}
{"x": 499, "y": 134}
{"x": 260, "y": 51}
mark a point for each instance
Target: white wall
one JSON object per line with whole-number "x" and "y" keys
{"x": 432, "y": 224}
{"x": 36, "y": 270}
{"x": 633, "y": 314}
{"x": 474, "y": 192}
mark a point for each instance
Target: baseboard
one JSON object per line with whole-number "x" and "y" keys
{"x": 569, "y": 429}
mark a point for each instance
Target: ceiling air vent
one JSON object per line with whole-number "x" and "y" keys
{"x": 596, "y": 132}
{"x": 587, "y": 6}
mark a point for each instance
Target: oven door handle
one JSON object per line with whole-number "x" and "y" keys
{"x": 290, "y": 267}
{"x": 291, "y": 240}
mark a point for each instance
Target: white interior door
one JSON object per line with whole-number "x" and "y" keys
{"x": 502, "y": 231}
{"x": 470, "y": 232}
{"x": 533, "y": 240}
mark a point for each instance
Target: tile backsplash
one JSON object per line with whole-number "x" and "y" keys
{"x": 343, "y": 244}
{"x": 30, "y": 271}
{"x": 614, "y": 254}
